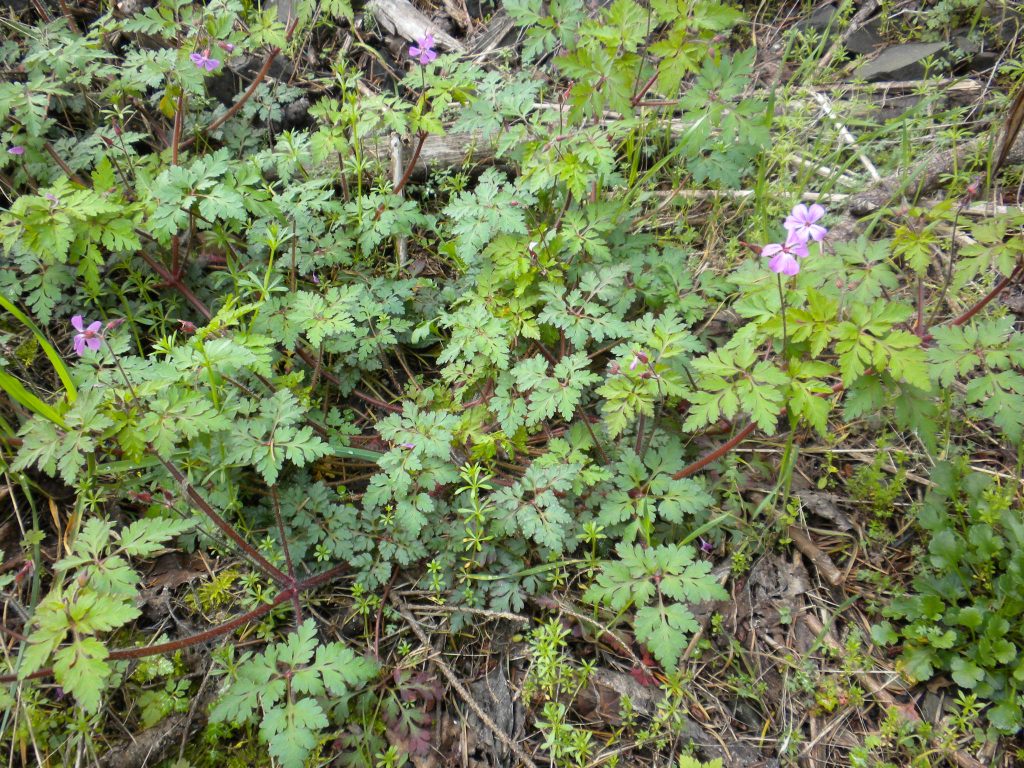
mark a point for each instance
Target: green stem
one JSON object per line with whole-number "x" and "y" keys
{"x": 782, "y": 302}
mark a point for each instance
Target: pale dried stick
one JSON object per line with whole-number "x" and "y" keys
{"x": 826, "y": 106}
{"x": 455, "y": 683}
{"x": 824, "y": 171}
{"x": 740, "y": 194}
{"x": 397, "y": 174}
{"x": 819, "y": 559}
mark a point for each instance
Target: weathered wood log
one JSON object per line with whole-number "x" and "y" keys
{"x": 926, "y": 174}
{"x": 451, "y": 150}
{"x": 456, "y": 149}
{"x": 400, "y": 17}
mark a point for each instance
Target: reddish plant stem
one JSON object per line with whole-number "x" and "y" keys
{"x": 953, "y": 249}
{"x": 296, "y": 606}
{"x": 545, "y": 352}
{"x": 716, "y": 454}
{"x": 1001, "y": 286}
{"x": 176, "y": 133}
{"x": 268, "y": 568}
{"x": 193, "y": 495}
{"x": 308, "y": 359}
{"x": 369, "y": 398}
{"x": 919, "y": 325}
{"x": 13, "y": 633}
{"x": 483, "y": 397}
{"x": 421, "y": 137}
{"x": 641, "y": 425}
{"x": 65, "y": 167}
{"x": 201, "y": 637}
{"x": 177, "y": 284}
{"x": 260, "y": 76}
{"x": 41, "y": 10}
{"x": 657, "y": 103}
{"x": 175, "y": 256}
{"x": 69, "y": 17}
{"x": 644, "y": 89}
{"x": 742, "y": 435}
{"x": 597, "y": 443}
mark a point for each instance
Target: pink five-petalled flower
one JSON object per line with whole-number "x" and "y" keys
{"x": 783, "y": 256}
{"x": 86, "y": 337}
{"x": 801, "y": 223}
{"x": 17, "y": 149}
{"x": 423, "y": 51}
{"x": 204, "y": 61}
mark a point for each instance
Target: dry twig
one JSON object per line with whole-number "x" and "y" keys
{"x": 455, "y": 683}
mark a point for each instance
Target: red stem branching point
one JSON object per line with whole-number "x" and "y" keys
{"x": 635, "y": 101}
{"x": 421, "y": 137}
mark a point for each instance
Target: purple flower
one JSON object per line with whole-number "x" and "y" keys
{"x": 86, "y": 337}
{"x": 784, "y": 256}
{"x": 408, "y": 446}
{"x": 705, "y": 545}
{"x": 203, "y": 60}
{"x": 229, "y": 47}
{"x": 801, "y": 223}
{"x": 423, "y": 51}
{"x": 17, "y": 149}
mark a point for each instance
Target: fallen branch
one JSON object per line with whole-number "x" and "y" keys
{"x": 925, "y": 175}
{"x": 819, "y": 559}
{"x": 400, "y": 17}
